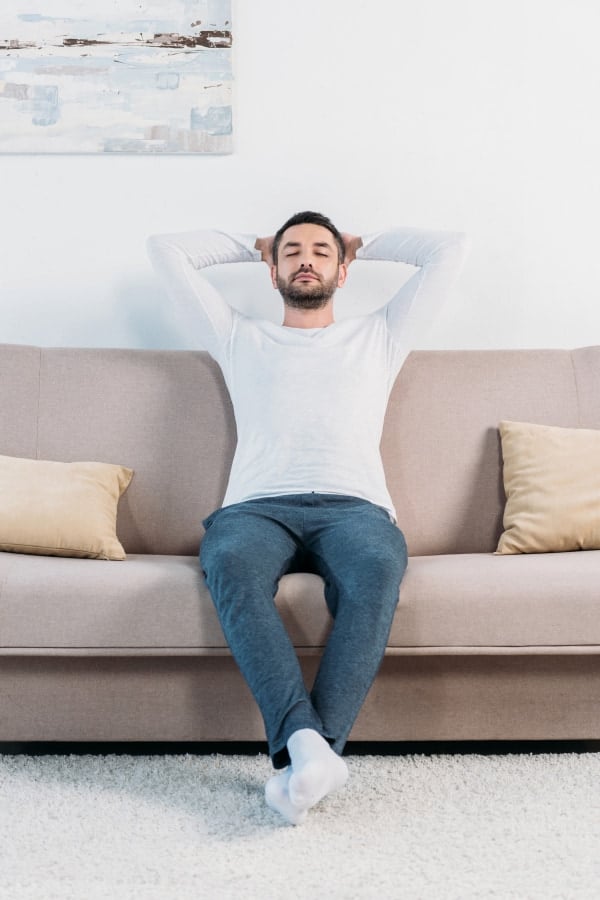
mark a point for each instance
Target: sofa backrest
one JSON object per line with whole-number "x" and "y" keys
{"x": 167, "y": 415}
{"x": 164, "y": 414}
{"x": 441, "y": 447}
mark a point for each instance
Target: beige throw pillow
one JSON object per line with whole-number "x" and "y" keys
{"x": 552, "y": 486}
{"x": 61, "y": 509}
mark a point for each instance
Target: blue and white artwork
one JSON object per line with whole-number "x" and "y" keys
{"x": 115, "y": 76}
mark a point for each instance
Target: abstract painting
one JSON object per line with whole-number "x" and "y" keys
{"x": 115, "y": 76}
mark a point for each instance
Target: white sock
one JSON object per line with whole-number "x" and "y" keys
{"x": 278, "y": 798}
{"x": 316, "y": 769}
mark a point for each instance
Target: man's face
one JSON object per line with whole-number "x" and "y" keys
{"x": 308, "y": 270}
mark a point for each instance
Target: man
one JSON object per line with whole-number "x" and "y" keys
{"x": 307, "y": 489}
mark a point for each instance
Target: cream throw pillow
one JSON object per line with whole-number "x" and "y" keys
{"x": 61, "y": 509}
{"x": 552, "y": 486}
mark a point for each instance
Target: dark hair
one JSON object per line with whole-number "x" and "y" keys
{"x": 310, "y": 218}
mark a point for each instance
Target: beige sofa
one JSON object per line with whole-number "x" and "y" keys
{"x": 483, "y": 647}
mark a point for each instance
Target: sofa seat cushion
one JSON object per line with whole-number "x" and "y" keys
{"x": 484, "y": 600}
{"x": 161, "y": 603}
{"x": 145, "y": 603}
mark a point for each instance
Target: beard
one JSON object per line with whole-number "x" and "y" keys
{"x": 307, "y": 295}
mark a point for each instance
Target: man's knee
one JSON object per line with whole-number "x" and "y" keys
{"x": 382, "y": 555}
{"x": 227, "y": 553}
{"x": 244, "y": 550}
{"x": 392, "y": 555}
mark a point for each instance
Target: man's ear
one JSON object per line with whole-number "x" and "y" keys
{"x": 343, "y": 272}
{"x": 274, "y": 275}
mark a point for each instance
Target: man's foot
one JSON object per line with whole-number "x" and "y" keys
{"x": 278, "y": 798}
{"x": 316, "y": 769}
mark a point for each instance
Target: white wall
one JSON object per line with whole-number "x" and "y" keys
{"x": 471, "y": 115}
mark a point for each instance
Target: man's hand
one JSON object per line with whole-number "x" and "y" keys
{"x": 265, "y": 248}
{"x": 351, "y": 244}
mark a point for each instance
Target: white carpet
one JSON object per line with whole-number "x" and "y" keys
{"x": 177, "y": 827}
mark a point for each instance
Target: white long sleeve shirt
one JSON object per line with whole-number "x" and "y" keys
{"x": 309, "y": 404}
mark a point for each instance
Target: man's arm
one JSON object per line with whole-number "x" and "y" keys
{"x": 439, "y": 256}
{"x": 179, "y": 259}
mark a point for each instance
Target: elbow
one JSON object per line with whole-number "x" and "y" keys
{"x": 152, "y": 243}
{"x": 155, "y": 246}
{"x": 460, "y": 240}
{"x": 458, "y": 245}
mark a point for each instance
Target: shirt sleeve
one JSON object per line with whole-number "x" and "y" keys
{"x": 439, "y": 257}
{"x": 178, "y": 260}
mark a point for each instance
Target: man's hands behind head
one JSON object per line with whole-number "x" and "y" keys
{"x": 265, "y": 247}
{"x": 351, "y": 244}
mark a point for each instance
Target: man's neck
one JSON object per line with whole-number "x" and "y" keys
{"x": 308, "y": 318}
